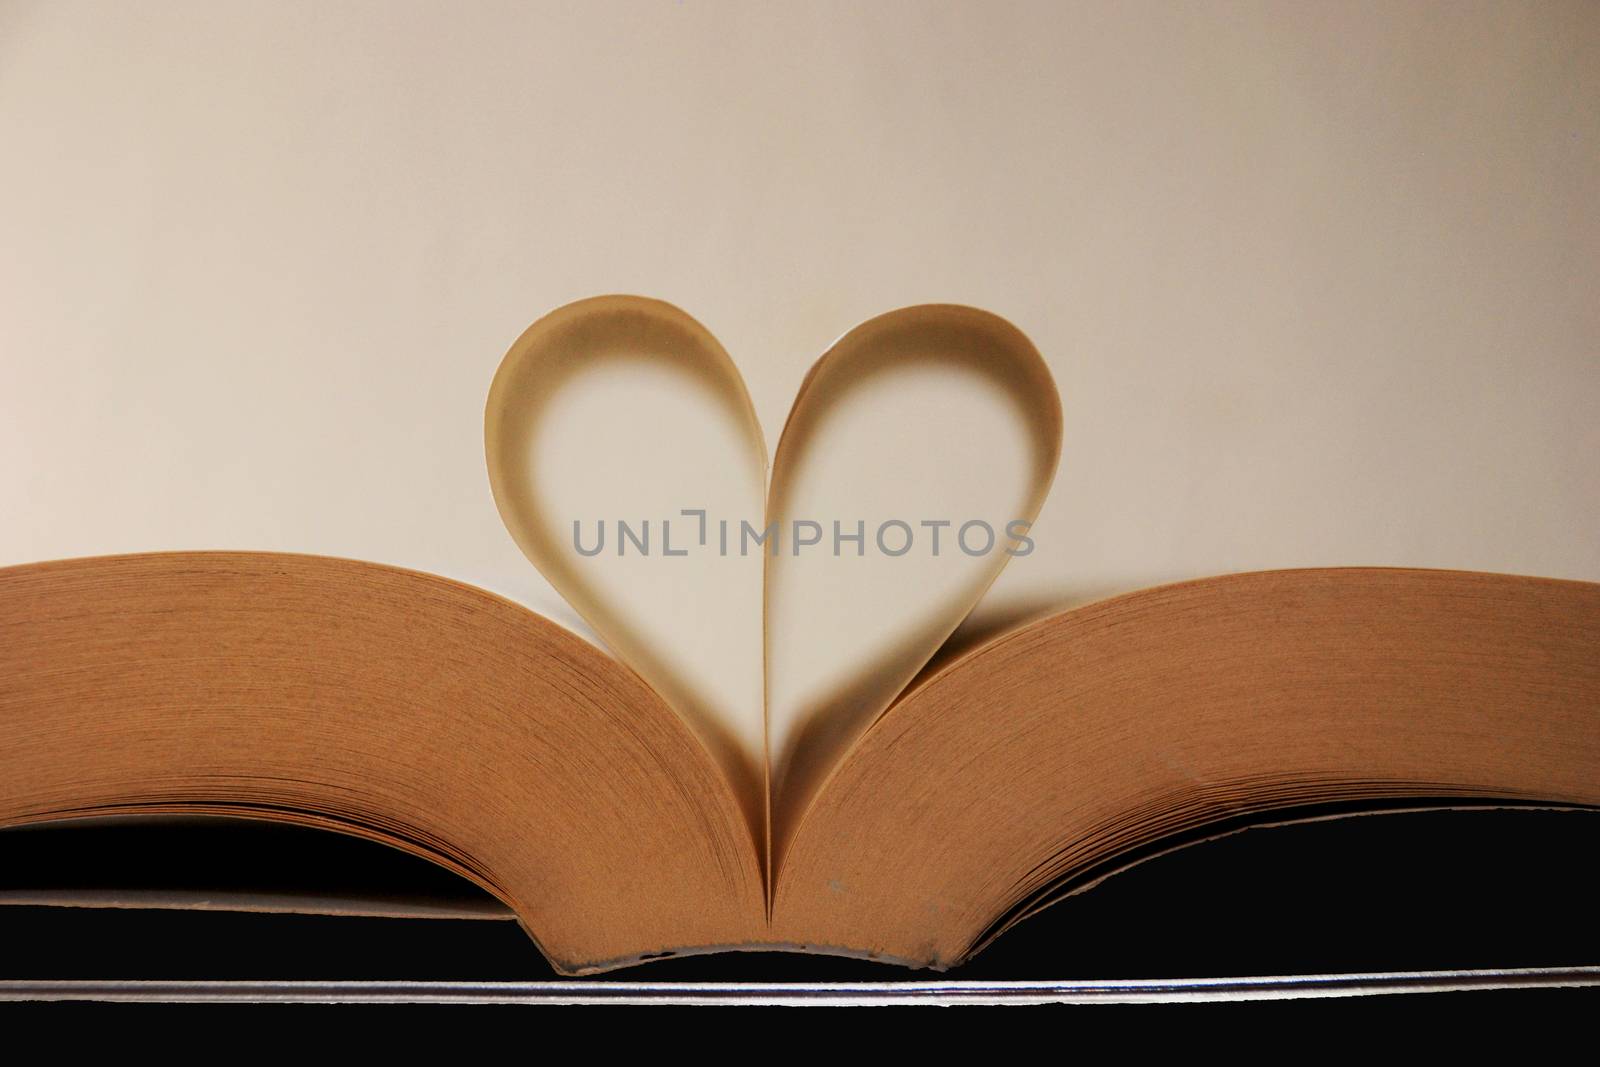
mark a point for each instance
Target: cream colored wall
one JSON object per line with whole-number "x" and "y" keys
{"x": 1318, "y": 282}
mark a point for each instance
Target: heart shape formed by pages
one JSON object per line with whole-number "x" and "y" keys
{"x": 780, "y": 621}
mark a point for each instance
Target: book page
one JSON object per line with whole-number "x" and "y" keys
{"x": 621, "y": 447}
{"x": 910, "y": 472}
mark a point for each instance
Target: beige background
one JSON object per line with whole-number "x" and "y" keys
{"x": 1318, "y": 282}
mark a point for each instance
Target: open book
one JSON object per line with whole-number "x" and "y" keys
{"x": 785, "y": 753}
